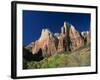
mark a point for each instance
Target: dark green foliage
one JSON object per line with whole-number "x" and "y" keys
{"x": 24, "y": 64}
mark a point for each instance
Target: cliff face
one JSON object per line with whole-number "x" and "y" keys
{"x": 68, "y": 39}
{"x": 47, "y": 42}
{"x": 76, "y": 39}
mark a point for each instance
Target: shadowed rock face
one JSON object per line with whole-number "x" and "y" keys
{"x": 64, "y": 43}
{"x": 68, "y": 39}
{"x": 27, "y": 55}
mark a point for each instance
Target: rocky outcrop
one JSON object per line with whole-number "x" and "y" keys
{"x": 68, "y": 39}
{"x": 87, "y": 37}
{"x": 30, "y": 46}
{"x": 47, "y": 42}
{"x": 63, "y": 44}
{"x": 76, "y": 40}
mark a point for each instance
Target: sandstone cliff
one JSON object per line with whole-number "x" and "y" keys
{"x": 68, "y": 39}
{"x": 47, "y": 42}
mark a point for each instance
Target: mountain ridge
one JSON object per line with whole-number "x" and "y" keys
{"x": 68, "y": 39}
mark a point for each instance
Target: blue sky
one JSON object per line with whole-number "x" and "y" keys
{"x": 35, "y": 21}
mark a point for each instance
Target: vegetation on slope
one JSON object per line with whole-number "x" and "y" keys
{"x": 78, "y": 58}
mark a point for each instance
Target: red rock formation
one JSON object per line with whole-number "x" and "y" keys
{"x": 63, "y": 44}
{"x": 47, "y": 42}
{"x": 30, "y": 46}
{"x": 68, "y": 40}
{"x": 76, "y": 40}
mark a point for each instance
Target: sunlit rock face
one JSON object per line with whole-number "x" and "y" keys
{"x": 68, "y": 39}
{"x": 76, "y": 39}
{"x": 47, "y": 42}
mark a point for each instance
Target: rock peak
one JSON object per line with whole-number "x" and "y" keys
{"x": 65, "y": 27}
{"x": 45, "y": 34}
{"x": 68, "y": 40}
{"x": 72, "y": 27}
{"x": 65, "y": 23}
{"x": 45, "y": 31}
